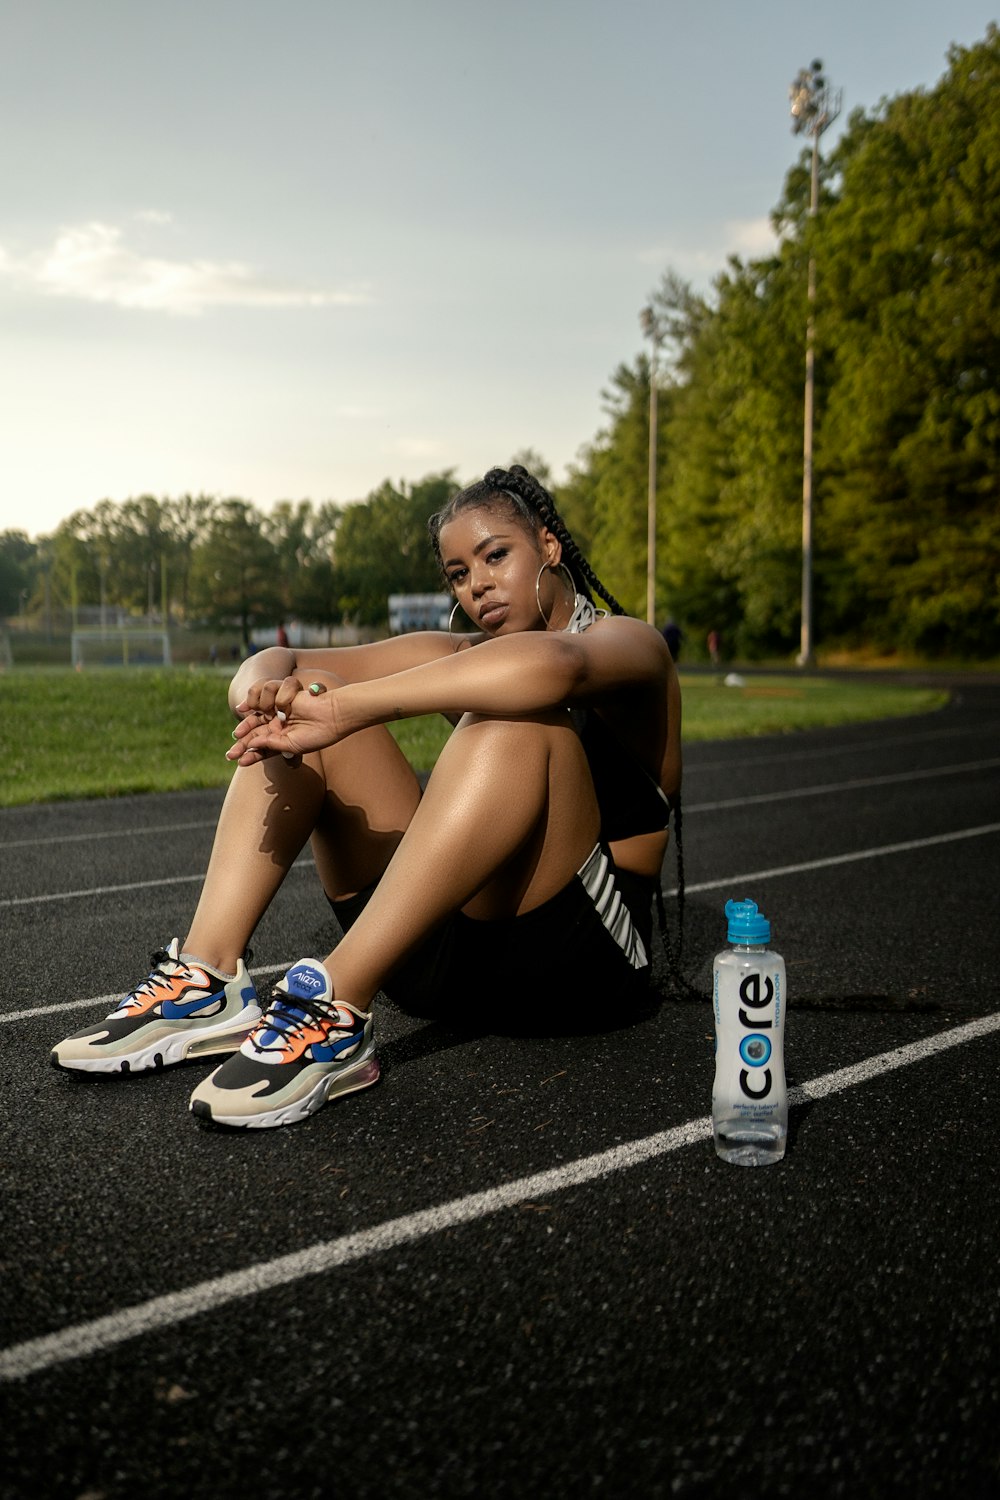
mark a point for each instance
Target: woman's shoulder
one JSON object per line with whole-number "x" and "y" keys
{"x": 625, "y": 622}
{"x": 620, "y": 653}
{"x": 638, "y": 634}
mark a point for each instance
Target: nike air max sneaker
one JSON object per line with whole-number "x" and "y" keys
{"x": 181, "y": 1010}
{"x": 308, "y": 1048}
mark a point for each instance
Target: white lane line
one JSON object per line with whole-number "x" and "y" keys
{"x": 113, "y": 999}
{"x": 136, "y": 885}
{"x": 106, "y": 833}
{"x": 728, "y": 881}
{"x": 840, "y": 859}
{"x": 83, "y": 1339}
{"x": 747, "y": 760}
{"x": 857, "y": 784}
{"x": 745, "y": 757}
{"x": 825, "y": 788}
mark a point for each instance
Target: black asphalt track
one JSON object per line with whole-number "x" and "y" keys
{"x": 392, "y": 1300}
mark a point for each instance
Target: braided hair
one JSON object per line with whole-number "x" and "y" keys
{"x": 530, "y": 503}
{"x": 533, "y": 506}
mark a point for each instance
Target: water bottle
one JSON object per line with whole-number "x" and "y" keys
{"x": 749, "y": 1098}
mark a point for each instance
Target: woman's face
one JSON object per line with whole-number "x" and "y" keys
{"x": 491, "y": 563}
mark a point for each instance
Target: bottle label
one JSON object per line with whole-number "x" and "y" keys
{"x": 749, "y": 1024}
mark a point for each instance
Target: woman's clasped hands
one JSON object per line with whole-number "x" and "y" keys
{"x": 285, "y": 716}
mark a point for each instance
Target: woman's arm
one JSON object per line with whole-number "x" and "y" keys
{"x": 513, "y": 675}
{"x": 350, "y": 663}
{"x": 504, "y": 678}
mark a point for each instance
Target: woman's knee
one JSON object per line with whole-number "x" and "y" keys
{"x": 537, "y": 759}
{"x": 540, "y": 730}
{"x": 272, "y": 663}
{"x": 514, "y": 743}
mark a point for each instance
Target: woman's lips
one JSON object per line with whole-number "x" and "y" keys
{"x": 492, "y": 615}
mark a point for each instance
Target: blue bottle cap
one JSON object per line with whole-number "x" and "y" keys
{"x": 747, "y": 926}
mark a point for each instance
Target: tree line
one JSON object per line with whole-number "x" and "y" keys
{"x": 907, "y": 427}
{"x": 906, "y": 441}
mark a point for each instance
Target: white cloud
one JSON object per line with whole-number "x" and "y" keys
{"x": 423, "y": 448}
{"x": 750, "y": 239}
{"x": 93, "y": 263}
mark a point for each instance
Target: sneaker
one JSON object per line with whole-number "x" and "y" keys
{"x": 308, "y": 1048}
{"x": 182, "y": 1010}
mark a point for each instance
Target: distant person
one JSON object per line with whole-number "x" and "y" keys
{"x": 213, "y": 654}
{"x": 281, "y": 637}
{"x": 714, "y": 647}
{"x": 525, "y": 874}
{"x": 673, "y": 635}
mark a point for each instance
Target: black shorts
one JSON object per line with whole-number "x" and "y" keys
{"x": 586, "y": 949}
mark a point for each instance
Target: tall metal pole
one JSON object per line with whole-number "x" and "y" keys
{"x": 813, "y": 107}
{"x": 805, "y": 657}
{"x": 651, "y": 328}
{"x": 651, "y": 499}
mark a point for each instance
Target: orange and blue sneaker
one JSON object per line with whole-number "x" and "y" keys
{"x": 308, "y": 1048}
{"x": 182, "y": 1010}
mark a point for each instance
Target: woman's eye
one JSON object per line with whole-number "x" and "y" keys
{"x": 497, "y": 556}
{"x": 456, "y": 578}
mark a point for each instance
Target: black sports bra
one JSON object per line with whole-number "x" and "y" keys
{"x": 630, "y": 800}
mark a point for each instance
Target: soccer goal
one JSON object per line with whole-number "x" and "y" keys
{"x": 123, "y": 646}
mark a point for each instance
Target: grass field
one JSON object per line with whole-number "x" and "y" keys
{"x": 110, "y": 732}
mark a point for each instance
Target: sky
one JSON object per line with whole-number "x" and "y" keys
{"x": 290, "y": 251}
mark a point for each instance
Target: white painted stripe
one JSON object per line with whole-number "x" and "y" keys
{"x": 746, "y": 756}
{"x": 136, "y": 885}
{"x": 823, "y": 789}
{"x": 83, "y": 1339}
{"x": 860, "y": 784}
{"x": 728, "y": 881}
{"x": 102, "y": 1001}
{"x": 841, "y": 859}
{"x": 107, "y": 833}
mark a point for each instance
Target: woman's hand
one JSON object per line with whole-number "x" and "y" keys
{"x": 273, "y": 661}
{"x": 284, "y": 716}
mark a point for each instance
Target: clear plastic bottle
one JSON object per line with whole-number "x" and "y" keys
{"x": 749, "y": 1097}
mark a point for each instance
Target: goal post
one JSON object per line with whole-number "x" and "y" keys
{"x": 122, "y": 646}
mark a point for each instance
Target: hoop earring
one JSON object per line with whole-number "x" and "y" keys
{"x": 569, "y": 578}
{"x": 451, "y": 623}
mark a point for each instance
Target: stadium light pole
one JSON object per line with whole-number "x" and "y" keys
{"x": 814, "y": 107}
{"x": 652, "y": 328}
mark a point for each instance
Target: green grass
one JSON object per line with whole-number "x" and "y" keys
{"x": 781, "y": 704}
{"x": 110, "y": 732}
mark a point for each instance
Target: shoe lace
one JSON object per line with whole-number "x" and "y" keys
{"x": 158, "y": 974}
{"x": 156, "y": 978}
{"x": 287, "y": 1014}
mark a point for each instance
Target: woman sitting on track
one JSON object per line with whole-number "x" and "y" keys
{"x": 526, "y": 871}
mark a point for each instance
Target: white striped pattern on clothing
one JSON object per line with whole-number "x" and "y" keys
{"x": 599, "y": 883}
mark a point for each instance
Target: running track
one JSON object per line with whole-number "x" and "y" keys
{"x": 516, "y": 1267}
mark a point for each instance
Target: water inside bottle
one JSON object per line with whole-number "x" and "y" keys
{"x": 750, "y": 1143}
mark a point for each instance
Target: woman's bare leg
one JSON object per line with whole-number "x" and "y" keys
{"x": 358, "y": 797}
{"x": 508, "y": 817}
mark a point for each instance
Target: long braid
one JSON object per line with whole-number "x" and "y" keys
{"x": 517, "y": 481}
{"x": 683, "y": 986}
